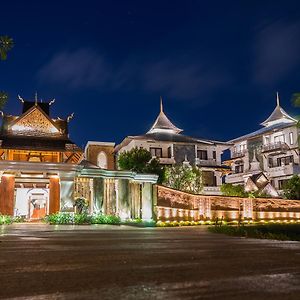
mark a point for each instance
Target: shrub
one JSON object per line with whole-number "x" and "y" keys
{"x": 291, "y": 190}
{"x": 229, "y": 189}
{"x": 140, "y": 160}
{"x": 184, "y": 178}
{"x": 4, "y": 219}
{"x": 105, "y": 219}
{"x": 81, "y": 205}
{"x": 60, "y": 218}
{"x": 140, "y": 223}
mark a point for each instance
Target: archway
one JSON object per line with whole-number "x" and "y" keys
{"x": 102, "y": 160}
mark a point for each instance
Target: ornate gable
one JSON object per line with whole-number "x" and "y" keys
{"x": 34, "y": 122}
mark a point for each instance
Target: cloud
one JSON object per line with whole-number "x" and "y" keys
{"x": 175, "y": 77}
{"x": 78, "y": 69}
{"x": 277, "y": 51}
{"x": 183, "y": 79}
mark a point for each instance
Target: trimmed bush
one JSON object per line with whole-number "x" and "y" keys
{"x": 274, "y": 231}
{"x": 4, "y": 219}
{"x": 66, "y": 218}
{"x": 105, "y": 219}
{"x": 139, "y": 223}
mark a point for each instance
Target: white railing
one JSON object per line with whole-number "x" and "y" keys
{"x": 275, "y": 146}
{"x": 206, "y": 162}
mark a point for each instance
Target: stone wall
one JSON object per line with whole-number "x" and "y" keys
{"x": 177, "y": 205}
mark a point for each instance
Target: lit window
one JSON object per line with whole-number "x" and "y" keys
{"x": 291, "y": 138}
{"x": 279, "y": 139}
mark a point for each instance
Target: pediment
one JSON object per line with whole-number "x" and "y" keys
{"x": 34, "y": 122}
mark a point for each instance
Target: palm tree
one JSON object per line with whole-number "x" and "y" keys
{"x": 6, "y": 44}
{"x": 296, "y": 103}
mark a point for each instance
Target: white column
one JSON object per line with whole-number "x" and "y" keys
{"x": 66, "y": 194}
{"x": 147, "y": 205}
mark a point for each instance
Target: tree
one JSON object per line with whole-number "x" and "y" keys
{"x": 3, "y": 99}
{"x": 184, "y": 178}
{"x": 291, "y": 190}
{"x": 6, "y": 44}
{"x": 229, "y": 189}
{"x": 140, "y": 160}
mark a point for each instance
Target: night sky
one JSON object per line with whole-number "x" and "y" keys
{"x": 217, "y": 64}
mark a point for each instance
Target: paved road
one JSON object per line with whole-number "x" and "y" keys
{"x": 111, "y": 262}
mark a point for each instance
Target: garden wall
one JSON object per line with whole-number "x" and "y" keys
{"x": 175, "y": 205}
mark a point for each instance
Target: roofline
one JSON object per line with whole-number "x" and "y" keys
{"x": 100, "y": 143}
{"x": 243, "y": 137}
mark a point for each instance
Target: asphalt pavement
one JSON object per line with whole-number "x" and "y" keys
{"x": 120, "y": 262}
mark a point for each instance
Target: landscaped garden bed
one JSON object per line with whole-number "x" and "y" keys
{"x": 285, "y": 232}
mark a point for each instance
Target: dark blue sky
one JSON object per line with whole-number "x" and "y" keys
{"x": 217, "y": 64}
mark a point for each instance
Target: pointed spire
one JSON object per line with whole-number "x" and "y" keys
{"x": 162, "y": 123}
{"x": 278, "y": 115}
{"x": 277, "y": 99}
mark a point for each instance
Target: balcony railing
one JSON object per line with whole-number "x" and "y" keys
{"x": 237, "y": 154}
{"x": 206, "y": 162}
{"x": 284, "y": 170}
{"x": 165, "y": 160}
{"x": 278, "y": 146}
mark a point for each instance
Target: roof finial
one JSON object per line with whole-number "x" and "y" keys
{"x": 277, "y": 99}
{"x": 36, "y": 98}
{"x": 161, "y": 104}
{"x": 21, "y": 99}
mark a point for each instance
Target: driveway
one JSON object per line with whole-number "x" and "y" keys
{"x": 119, "y": 262}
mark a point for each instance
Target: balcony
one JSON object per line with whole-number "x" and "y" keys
{"x": 235, "y": 178}
{"x": 205, "y": 162}
{"x": 277, "y": 147}
{"x": 165, "y": 160}
{"x": 284, "y": 170}
{"x": 237, "y": 154}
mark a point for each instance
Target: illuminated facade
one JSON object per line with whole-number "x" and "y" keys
{"x": 42, "y": 171}
{"x": 272, "y": 151}
{"x": 166, "y": 142}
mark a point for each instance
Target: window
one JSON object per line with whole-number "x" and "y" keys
{"x": 102, "y": 160}
{"x": 291, "y": 138}
{"x": 270, "y": 162}
{"x": 282, "y": 183}
{"x": 169, "y": 152}
{"x": 202, "y": 154}
{"x": 214, "y": 155}
{"x": 157, "y": 152}
{"x": 267, "y": 140}
{"x": 243, "y": 146}
{"x": 279, "y": 139}
{"x": 239, "y": 169}
{"x": 283, "y": 161}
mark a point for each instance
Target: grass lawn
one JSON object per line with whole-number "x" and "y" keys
{"x": 286, "y": 232}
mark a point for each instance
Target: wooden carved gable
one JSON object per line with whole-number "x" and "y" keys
{"x": 34, "y": 122}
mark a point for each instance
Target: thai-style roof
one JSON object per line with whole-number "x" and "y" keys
{"x": 163, "y": 130}
{"x": 34, "y": 129}
{"x": 279, "y": 119}
{"x": 279, "y": 115}
{"x": 162, "y": 123}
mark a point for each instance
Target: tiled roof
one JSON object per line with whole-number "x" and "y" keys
{"x": 263, "y": 131}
